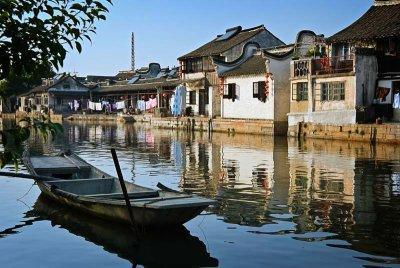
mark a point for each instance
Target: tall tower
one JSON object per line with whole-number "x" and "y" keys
{"x": 133, "y": 52}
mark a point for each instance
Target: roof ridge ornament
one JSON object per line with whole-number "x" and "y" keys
{"x": 386, "y": 2}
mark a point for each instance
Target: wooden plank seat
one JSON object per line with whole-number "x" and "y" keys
{"x": 103, "y": 188}
{"x": 58, "y": 164}
{"x": 134, "y": 195}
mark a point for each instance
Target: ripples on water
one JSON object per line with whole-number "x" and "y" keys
{"x": 280, "y": 202}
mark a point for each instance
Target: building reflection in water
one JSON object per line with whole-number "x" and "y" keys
{"x": 350, "y": 190}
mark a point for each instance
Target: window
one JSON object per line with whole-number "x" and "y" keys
{"x": 207, "y": 65}
{"x": 300, "y": 91}
{"x": 193, "y": 65}
{"x": 230, "y": 91}
{"x": 206, "y": 95}
{"x": 192, "y": 97}
{"x": 183, "y": 66}
{"x": 334, "y": 91}
{"x": 66, "y": 86}
{"x": 45, "y": 100}
{"x": 259, "y": 90}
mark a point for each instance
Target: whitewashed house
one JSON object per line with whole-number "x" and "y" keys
{"x": 198, "y": 72}
{"x": 256, "y": 86}
{"x": 351, "y": 77}
{"x": 61, "y": 94}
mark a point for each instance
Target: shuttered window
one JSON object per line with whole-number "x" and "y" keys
{"x": 230, "y": 91}
{"x": 259, "y": 91}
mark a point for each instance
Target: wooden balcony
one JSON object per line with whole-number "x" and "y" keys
{"x": 301, "y": 68}
{"x": 332, "y": 65}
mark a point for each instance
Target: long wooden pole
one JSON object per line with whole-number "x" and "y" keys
{"x": 124, "y": 191}
{"x": 27, "y": 176}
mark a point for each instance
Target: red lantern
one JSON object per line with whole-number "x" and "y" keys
{"x": 221, "y": 85}
{"x": 266, "y": 84}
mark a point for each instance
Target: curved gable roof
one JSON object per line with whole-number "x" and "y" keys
{"x": 216, "y": 47}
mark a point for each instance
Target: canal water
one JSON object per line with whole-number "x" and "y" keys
{"x": 280, "y": 203}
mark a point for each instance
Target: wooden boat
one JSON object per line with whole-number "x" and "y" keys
{"x": 90, "y": 190}
{"x": 153, "y": 250}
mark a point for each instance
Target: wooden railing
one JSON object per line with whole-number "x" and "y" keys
{"x": 333, "y": 65}
{"x": 301, "y": 68}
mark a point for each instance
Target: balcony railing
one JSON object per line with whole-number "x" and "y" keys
{"x": 301, "y": 68}
{"x": 333, "y": 65}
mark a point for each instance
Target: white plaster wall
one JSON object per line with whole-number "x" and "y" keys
{"x": 281, "y": 87}
{"x": 350, "y": 94}
{"x": 245, "y": 106}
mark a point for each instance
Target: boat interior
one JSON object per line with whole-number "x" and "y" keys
{"x": 79, "y": 178}
{"x": 109, "y": 188}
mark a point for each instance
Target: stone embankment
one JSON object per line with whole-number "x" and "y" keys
{"x": 243, "y": 126}
{"x": 373, "y": 133}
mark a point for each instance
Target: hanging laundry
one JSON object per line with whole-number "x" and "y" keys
{"x": 151, "y": 103}
{"x": 76, "y": 105}
{"x": 396, "y": 101}
{"x": 141, "y": 105}
{"x": 98, "y": 106}
{"x": 171, "y": 103}
{"x": 91, "y": 105}
{"x": 177, "y": 104}
{"x": 120, "y": 105}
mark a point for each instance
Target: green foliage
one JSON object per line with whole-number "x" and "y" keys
{"x": 13, "y": 139}
{"x": 34, "y": 38}
{"x": 313, "y": 51}
{"x": 35, "y": 34}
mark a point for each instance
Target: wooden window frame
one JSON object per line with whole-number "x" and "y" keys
{"x": 230, "y": 91}
{"x": 192, "y": 97}
{"x": 300, "y": 91}
{"x": 333, "y": 91}
{"x": 206, "y": 95}
{"x": 259, "y": 91}
{"x": 256, "y": 90}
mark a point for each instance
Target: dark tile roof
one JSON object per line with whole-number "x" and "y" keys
{"x": 44, "y": 88}
{"x": 97, "y": 78}
{"x": 125, "y": 75}
{"x": 378, "y": 22}
{"x": 254, "y": 65}
{"x": 216, "y": 47}
{"x": 279, "y": 52}
{"x": 149, "y": 84}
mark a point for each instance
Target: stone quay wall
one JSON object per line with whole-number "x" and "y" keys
{"x": 243, "y": 126}
{"x": 372, "y": 133}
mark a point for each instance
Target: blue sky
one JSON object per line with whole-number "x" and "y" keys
{"x": 165, "y": 30}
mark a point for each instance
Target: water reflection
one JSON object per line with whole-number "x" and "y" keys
{"x": 347, "y": 194}
{"x": 175, "y": 248}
